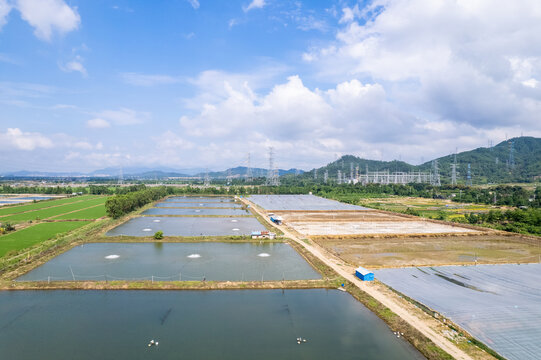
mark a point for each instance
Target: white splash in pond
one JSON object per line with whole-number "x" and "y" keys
{"x": 263, "y": 255}
{"x": 112, "y": 257}
{"x": 194, "y": 256}
{"x": 234, "y": 220}
{"x": 197, "y": 210}
{"x": 147, "y": 229}
{"x": 156, "y": 220}
{"x": 235, "y": 229}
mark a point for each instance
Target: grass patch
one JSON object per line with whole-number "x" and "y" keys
{"x": 35, "y": 234}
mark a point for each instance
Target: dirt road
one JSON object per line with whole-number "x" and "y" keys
{"x": 427, "y": 325}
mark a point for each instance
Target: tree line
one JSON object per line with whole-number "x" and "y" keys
{"x": 122, "y": 204}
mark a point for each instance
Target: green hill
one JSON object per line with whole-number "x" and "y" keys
{"x": 488, "y": 165}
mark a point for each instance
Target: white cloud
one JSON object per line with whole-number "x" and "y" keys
{"x": 255, "y": 4}
{"x": 5, "y": 8}
{"x": 27, "y": 141}
{"x": 74, "y": 65}
{"x": 467, "y": 62}
{"x": 194, "y": 4}
{"x": 123, "y": 116}
{"x": 98, "y": 123}
{"x": 47, "y": 16}
{"x": 148, "y": 80}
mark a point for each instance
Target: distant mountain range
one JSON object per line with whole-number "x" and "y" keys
{"x": 514, "y": 160}
{"x": 149, "y": 173}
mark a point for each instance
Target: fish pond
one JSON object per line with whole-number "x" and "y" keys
{"x": 188, "y": 226}
{"x": 216, "y": 205}
{"x": 239, "y": 324}
{"x": 176, "y": 261}
{"x": 198, "y": 212}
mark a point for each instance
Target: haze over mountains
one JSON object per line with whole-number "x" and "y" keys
{"x": 486, "y": 165}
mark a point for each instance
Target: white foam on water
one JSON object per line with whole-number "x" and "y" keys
{"x": 156, "y": 220}
{"x": 234, "y": 220}
{"x": 112, "y": 256}
{"x": 147, "y": 229}
{"x": 235, "y": 229}
{"x": 194, "y": 256}
{"x": 263, "y": 255}
{"x": 197, "y": 210}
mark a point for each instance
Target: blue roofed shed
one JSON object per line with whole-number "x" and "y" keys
{"x": 364, "y": 274}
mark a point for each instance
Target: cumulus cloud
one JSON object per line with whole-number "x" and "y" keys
{"x": 48, "y": 16}
{"x": 467, "y": 62}
{"x": 5, "y": 8}
{"x": 74, "y": 65}
{"x": 98, "y": 123}
{"x": 194, "y": 4}
{"x": 255, "y": 4}
{"x": 15, "y": 137}
{"x": 123, "y": 116}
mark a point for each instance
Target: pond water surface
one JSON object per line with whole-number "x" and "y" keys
{"x": 176, "y": 261}
{"x": 202, "y": 212}
{"x": 188, "y": 226}
{"x": 238, "y": 324}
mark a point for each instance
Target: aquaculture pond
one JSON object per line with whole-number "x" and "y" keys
{"x": 176, "y": 261}
{"x": 217, "y": 205}
{"x": 200, "y": 199}
{"x": 238, "y": 324}
{"x": 198, "y": 212}
{"x": 188, "y": 226}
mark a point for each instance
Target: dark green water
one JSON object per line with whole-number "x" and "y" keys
{"x": 241, "y": 324}
{"x": 176, "y": 261}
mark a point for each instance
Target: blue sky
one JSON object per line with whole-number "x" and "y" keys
{"x": 185, "y": 83}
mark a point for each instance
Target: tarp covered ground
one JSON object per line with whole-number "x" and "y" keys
{"x": 498, "y": 304}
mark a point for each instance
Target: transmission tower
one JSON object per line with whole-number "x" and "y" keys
{"x": 229, "y": 176}
{"x": 121, "y": 177}
{"x": 272, "y": 174}
{"x": 468, "y": 176}
{"x": 206, "y": 182}
{"x": 315, "y": 174}
{"x": 326, "y": 176}
{"x": 249, "y": 176}
{"x": 453, "y": 171}
{"x": 339, "y": 177}
{"x": 511, "y": 154}
{"x": 436, "y": 174}
{"x": 351, "y": 171}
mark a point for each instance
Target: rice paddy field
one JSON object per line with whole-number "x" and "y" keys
{"x": 41, "y": 221}
{"x": 32, "y": 235}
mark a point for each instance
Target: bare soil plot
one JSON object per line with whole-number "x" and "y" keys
{"x": 399, "y": 251}
{"x": 364, "y": 223}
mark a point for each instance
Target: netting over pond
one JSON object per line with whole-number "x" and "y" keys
{"x": 300, "y": 202}
{"x": 188, "y": 226}
{"x": 498, "y": 304}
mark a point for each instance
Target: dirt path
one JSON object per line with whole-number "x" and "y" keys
{"x": 427, "y": 325}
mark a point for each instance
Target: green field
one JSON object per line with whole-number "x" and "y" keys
{"x": 86, "y": 214}
{"x": 35, "y": 234}
{"x": 9, "y": 210}
{"x": 50, "y": 212}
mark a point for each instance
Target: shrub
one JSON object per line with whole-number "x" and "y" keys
{"x": 158, "y": 235}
